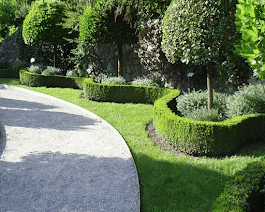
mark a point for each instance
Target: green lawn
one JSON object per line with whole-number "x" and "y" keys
{"x": 168, "y": 182}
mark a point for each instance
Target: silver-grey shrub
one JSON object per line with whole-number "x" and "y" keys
{"x": 194, "y": 100}
{"x": 147, "y": 81}
{"x": 247, "y": 100}
{"x": 36, "y": 69}
{"x": 114, "y": 81}
{"x": 203, "y": 114}
{"x": 72, "y": 73}
{"x": 110, "y": 79}
{"x": 50, "y": 70}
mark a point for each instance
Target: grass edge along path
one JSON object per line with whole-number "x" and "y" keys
{"x": 168, "y": 182}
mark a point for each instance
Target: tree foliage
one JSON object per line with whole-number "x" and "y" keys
{"x": 109, "y": 21}
{"x": 151, "y": 9}
{"x": 250, "y": 21}
{"x": 200, "y": 32}
{"x": 44, "y": 25}
{"x": 7, "y": 16}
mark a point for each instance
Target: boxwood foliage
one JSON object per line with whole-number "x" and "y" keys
{"x": 202, "y": 137}
{"x": 37, "y": 80}
{"x": 122, "y": 93}
{"x": 245, "y": 192}
{"x": 9, "y": 73}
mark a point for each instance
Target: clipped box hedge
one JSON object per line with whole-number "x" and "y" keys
{"x": 245, "y": 192}
{"x": 206, "y": 138}
{"x": 122, "y": 93}
{"x": 37, "y": 80}
{"x": 9, "y": 73}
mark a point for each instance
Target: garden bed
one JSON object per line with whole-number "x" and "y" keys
{"x": 202, "y": 138}
{"x": 123, "y": 93}
{"x": 38, "y": 80}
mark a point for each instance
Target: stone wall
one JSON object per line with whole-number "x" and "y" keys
{"x": 144, "y": 58}
{"x": 147, "y": 58}
{"x": 9, "y": 49}
{"x": 132, "y": 66}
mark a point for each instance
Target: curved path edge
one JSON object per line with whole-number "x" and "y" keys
{"x": 111, "y": 185}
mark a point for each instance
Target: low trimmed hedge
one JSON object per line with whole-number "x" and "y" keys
{"x": 206, "y": 138}
{"x": 122, "y": 93}
{"x": 9, "y": 73}
{"x": 37, "y": 80}
{"x": 245, "y": 192}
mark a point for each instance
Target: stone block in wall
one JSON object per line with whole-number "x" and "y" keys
{"x": 110, "y": 68}
{"x": 128, "y": 69}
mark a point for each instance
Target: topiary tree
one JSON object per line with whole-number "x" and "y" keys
{"x": 44, "y": 26}
{"x": 200, "y": 32}
{"x": 109, "y": 21}
{"x": 250, "y": 22}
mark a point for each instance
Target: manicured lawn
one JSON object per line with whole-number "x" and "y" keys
{"x": 168, "y": 182}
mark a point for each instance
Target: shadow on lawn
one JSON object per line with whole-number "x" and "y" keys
{"x": 177, "y": 187}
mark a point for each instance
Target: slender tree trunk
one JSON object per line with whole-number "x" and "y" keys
{"x": 120, "y": 60}
{"x": 55, "y": 56}
{"x": 210, "y": 85}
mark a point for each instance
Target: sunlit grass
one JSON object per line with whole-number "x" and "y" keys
{"x": 168, "y": 182}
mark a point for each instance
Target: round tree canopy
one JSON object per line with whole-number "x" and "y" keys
{"x": 44, "y": 23}
{"x": 106, "y": 22}
{"x": 198, "y": 31}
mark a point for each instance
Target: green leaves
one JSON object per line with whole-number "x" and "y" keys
{"x": 44, "y": 23}
{"x": 197, "y": 31}
{"x": 108, "y": 21}
{"x": 7, "y": 16}
{"x": 250, "y": 23}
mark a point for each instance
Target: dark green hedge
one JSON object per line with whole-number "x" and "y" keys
{"x": 245, "y": 192}
{"x": 9, "y": 73}
{"x": 122, "y": 93}
{"x": 37, "y": 80}
{"x": 206, "y": 138}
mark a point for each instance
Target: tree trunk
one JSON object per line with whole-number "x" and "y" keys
{"x": 120, "y": 60}
{"x": 210, "y": 85}
{"x": 55, "y": 56}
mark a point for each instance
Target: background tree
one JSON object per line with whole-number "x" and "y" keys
{"x": 7, "y": 17}
{"x": 200, "y": 32}
{"x": 13, "y": 12}
{"x": 250, "y": 23}
{"x": 44, "y": 26}
{"x": 151, "y": 9}
{"x": 110, "y": 21}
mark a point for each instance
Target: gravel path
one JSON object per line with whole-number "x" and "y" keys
{"x": 56, "y": 156}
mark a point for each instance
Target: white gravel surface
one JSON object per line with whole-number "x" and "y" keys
{"x": 56, "y": 156}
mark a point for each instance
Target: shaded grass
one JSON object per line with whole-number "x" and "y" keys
{"x": 168, "y": 182}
